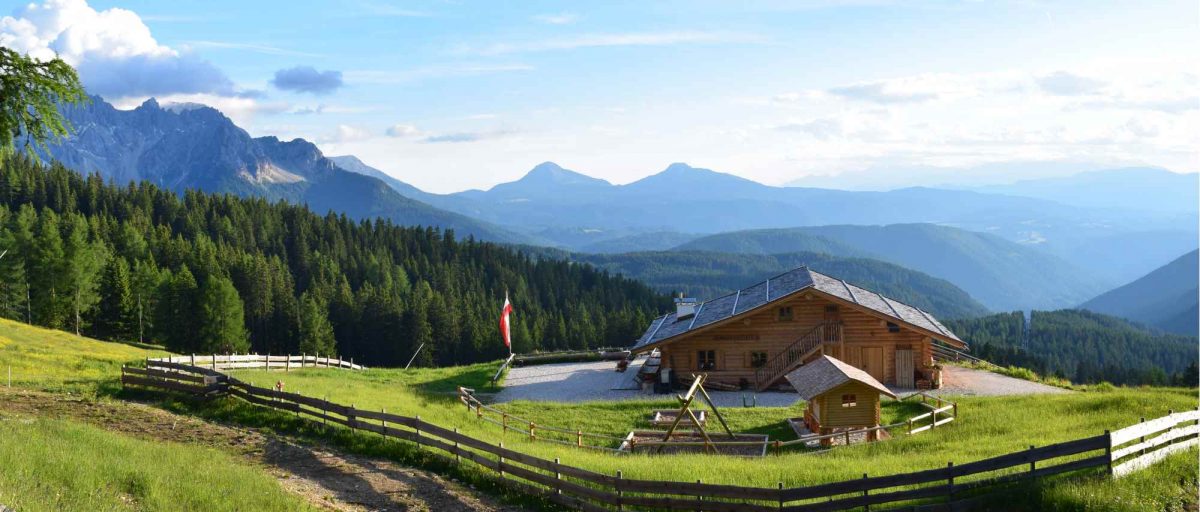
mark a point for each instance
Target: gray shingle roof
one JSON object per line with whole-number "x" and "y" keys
{"x": 826, "y": 373}
{"x": 780, "y": 287}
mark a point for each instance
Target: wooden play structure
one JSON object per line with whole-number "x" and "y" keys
{"x": 840, "y": 397}
{"x": 685, "y": 407}
{"x": 676, "y": 440}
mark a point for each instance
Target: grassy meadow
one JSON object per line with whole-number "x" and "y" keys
{"x": 54, "y": 360}
{"x": 987, "y": 426}
{"x": 51, "y": 465}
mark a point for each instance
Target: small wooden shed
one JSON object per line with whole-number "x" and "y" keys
{"x": 839, "y": 396}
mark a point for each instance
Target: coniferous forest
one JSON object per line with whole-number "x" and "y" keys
{"x": 1082, "y": 346}
{"x": 203, "y": 273}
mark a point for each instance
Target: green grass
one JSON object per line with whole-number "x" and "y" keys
{"x": 57, "y": 361}
{"x": 54, "y": 465}
{"x": 987, "y": 426}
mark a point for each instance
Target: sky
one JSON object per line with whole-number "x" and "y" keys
{"x": 450, "y": 95}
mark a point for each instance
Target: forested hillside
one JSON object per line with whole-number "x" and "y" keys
{"x": 1082, "y": 346}
{"x": 707, "y": 275}
{"x": 214, "y": 272}
{"x": 1165, "y": 298}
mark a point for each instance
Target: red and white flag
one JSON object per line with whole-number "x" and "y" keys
{"x": 504, "y": 326}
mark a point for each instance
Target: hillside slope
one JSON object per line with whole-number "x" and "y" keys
{"x": 710, "y": 275}
{"x": 1165, "y": 298}
{"x": 1001, "y": 274}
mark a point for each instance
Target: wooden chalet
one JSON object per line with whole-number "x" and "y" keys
{"x": 839, "y": 396}
{"x": 755, "y": 336}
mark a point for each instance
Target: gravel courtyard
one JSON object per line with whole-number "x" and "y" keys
{"x": 599, "y": 381}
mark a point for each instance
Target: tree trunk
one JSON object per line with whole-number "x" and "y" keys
{"x": 77, "y": 319}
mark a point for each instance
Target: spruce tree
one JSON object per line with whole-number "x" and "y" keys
{"x": 116, "y": 315}
{"x": 83, "y": 260}
{"x": 221, "y": 326}
{"x": 316, "y": 333}
{"x": 47, "y": 277}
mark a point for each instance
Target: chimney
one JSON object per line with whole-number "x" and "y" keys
{"x": 684, "y": 307}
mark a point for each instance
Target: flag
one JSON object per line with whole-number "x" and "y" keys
{"x": 504, "y": 326}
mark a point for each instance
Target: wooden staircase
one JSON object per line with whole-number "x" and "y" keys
{"x": 794, "y": 355}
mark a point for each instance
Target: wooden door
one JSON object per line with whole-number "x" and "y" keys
{"x": 872, "y": 362}
{"x": 904, "y": 369}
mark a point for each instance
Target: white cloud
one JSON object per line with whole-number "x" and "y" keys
{"x": 462, "y": 137}
{"x": 562, "y": 18}
{"x": 346, "y": 133}
{"x": 113, "y": 50}
{"x": 389, "y": 77}
{"x": 619, "y": 39}
{"x": 1063, "y": 83}
{"x": 402, "y": 130}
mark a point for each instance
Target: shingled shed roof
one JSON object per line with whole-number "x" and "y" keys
{"x": 780, "y": 287}
{"x": 826, "y": 373}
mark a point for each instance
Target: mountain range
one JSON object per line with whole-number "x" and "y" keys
{"x": 196, "y": 147}
{"x": 1018, "y": 247}
{"x": 1165, "y": 298}
{"x": 582, "y": 213}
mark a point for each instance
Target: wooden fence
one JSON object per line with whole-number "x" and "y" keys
{"x": 249, "y": 361}
{"x": 932, "y": 489}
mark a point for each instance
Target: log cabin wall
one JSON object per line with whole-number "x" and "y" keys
{"x": 734, "y": 344}
{"x": 864, "y": 413}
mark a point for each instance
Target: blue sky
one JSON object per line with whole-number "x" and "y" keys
{"x": 456, "y": 95}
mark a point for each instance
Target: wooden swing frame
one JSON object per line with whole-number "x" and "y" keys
{"x": 685, "y": 406}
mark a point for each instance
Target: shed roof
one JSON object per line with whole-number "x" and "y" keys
{"x": 826, "y": 373}
{"x": 780, "y": 287}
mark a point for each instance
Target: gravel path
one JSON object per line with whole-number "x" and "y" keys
{"x": 594, "y": 381}
{"x": 584, "y": 382}
{"x": 966, "y": 381}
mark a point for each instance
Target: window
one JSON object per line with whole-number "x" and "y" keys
{"x": 706, "y": 360}
{"x": 849, "y": 401}
{"x": 893, "y": 327}
{"x": 758, "y": 359}
{"x": 832, "y": 308}
{"x": 785, "y": 314}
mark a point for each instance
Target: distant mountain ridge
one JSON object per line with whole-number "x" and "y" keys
{"x": 709, "y": 275}
{"x": 1003, "y": 275}
{"x": 184, "y": 147}
{"x": 1165, "y": 298}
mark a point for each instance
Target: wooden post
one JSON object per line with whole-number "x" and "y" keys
{"x": 620, "y": 493}
{"x": 456, "y": 459}
{"x": 503, "y": 423}
{"x": 950, "y": 466}
{"x": 847, "y": 438}
{"x": 287, "y": 364}
{"x": 267, "y": 362}
{"x": 351, "y": 419}
{"x": 214, "y": 361}
{"x": 910, "y": 426}
{"x": 532, "y": 429}
{"x": 579, "y": 438}
{"x": 865, "y": 492}
{"x": 1032, "y": 463}
{"x": 417, "y": 427}
{"x": 302, "y": 358}
{"x": 500, "y": 467}
{"x": 699, "y": 497}
{"x": 557, "y": 476}
{"x": 325, "y": 412}
{"x": 193, "y": 359}
{"x": 780, "y": 485}
{"x": 384, "y": 432}
{"x": 1142, "y": 439}
{"x": 1108, "y": 450}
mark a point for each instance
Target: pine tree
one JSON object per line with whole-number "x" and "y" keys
{"x": 316, "y": 333}
{"x": 221, "y": 325}
{"x": 12, "y": 278}
{"x": 116, "y": 315}
{"x": 47, "y": 274}
{"x": 83, "y": 260}
{"x": 174, "y": 315}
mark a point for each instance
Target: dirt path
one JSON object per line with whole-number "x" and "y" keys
{"x": 957, "y": 380}
{"x": 326, "y": 478}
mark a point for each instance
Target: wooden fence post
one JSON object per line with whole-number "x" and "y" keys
{"x": 324, "y": 411}
{"x": 579, "y": 438}
{"x": 351, "y": 419}
{"x": 287, "y": 364}
{"x": 303, "y": 356}
{"x": 503, "y": 423}
{"x": 417, "y": 427}
{"x": 620, "y": 493}
{"x": 1108, "y": 450}
{"x": 1032, "y": 463}
{"x": 532, "y": 429}
{"x": 780, "y": 485}
{"x": 699, "y": 497}
{"x": 1142, "y": 439}
{"x": 950, "y": 466}
{"x": 865, "y": 492}
{"x": 557, "y": 476}
{"x": 456, "y": 458}
{"x": 500, "y": 466}
{"x": 383, "y": 433}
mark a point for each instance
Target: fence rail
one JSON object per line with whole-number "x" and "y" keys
{"x": 267, "y": 361}
{"x": 588, "y": 490}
